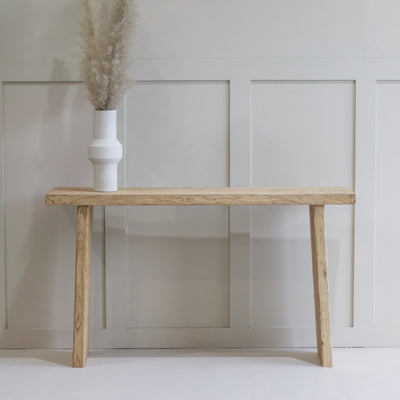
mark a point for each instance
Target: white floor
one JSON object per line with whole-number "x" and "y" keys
{"x": 200, "y": 374}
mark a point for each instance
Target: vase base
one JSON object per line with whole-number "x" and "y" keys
{"x": 105, "y": 190}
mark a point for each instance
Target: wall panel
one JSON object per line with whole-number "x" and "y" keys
{"x": 47, "y": 127}
{"x": 228, "y": 93}
{"x": 177, "y": 134}
{"x": 303, "y": 135}
{"x": 387, "y": 272}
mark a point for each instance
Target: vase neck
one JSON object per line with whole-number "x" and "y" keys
{"x": 105, "y": 124}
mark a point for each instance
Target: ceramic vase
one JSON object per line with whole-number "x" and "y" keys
{"x": 105, "y": 151}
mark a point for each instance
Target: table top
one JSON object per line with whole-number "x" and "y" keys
{"x": 176, "y": 196}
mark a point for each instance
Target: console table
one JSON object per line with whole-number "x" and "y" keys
{"x": 314, "y": 197}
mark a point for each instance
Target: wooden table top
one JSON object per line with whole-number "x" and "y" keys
{"x": 230, "y": 196}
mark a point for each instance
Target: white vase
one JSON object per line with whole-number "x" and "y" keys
{"x": 105, "y": 151}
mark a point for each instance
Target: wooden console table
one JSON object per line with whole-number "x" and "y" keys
{"x": 85, "y": 198}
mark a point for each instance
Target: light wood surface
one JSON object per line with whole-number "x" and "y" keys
{"x": 315, "y": 197}
{"x": 202, "y": 196}
{"x": 321, "y": 287}
{"x": 84, "y": 233}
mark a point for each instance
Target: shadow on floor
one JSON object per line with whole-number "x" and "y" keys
{"x": 64, "y": 356}
{"x": 55, "y": 356}
{"x": 309, "y": 356}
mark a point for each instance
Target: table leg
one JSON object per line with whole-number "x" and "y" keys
{"x": 84, "y": 233}
{"x": 321, "y": 287}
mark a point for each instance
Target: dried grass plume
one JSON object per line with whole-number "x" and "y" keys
{"x": 107, "y": 36}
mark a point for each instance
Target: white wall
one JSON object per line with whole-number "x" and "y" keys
{"x": 229, "y": 92}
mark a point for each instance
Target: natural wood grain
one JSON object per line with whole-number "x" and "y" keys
{"x": 202, "y": 196}
{"x": 84, "y": 233}
{"x": 321, "y": 287}
{"x": 315, "y": 197}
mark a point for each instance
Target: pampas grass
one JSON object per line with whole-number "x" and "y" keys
{"x": 107, "y": 31}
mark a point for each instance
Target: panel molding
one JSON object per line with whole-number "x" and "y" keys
{"x": 295, "y": 94}
{"x": 119, "y": 220}
{"x": 240, "y": 73}
{"x": 390, "y": 307}
{"x": 239, "y": 217}
{"x": 3, "y": 288}
{"x": 33, "y": 337}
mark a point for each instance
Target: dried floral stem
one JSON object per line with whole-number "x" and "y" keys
{"x": 107, "y": 29}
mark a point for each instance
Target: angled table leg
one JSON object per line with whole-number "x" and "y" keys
{"x": 321, "y": 287}
{"x": 84, "y": 233}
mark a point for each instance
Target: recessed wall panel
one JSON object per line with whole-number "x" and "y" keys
{"x": 387, "y": 260}
{"x": 47, "y": 128}
{"x": 178, "y": 268}
{"x": 302, "y": 135}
